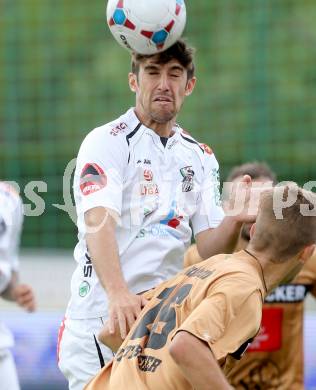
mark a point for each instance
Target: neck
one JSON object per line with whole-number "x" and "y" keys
{"x": 162, "y": 129}
{"x": 275, "y": 273}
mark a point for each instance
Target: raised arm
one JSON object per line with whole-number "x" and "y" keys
{"x": 124, "y": 306}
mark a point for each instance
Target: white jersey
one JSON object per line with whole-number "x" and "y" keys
{"x": 156, "y": 189}
{"x": 11, "y": 218}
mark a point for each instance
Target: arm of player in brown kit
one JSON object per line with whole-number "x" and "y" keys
{"x": 111, "y": 340}
{"x": 197, "y": 362}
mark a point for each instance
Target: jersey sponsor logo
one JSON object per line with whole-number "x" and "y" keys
{"x": 84, "y": 289}
{"x": 154, "y": 327}
{"x": 173, "y": 219}
{"x": 198, "y": 272}
{"x": 269, "y": 338}
{"x": 155, "y": 230}
{"x": 206, "y": 148}
{"x": 148, "y": 175}
{"x": 148, "y": 363}
{"x": 145, "y": 363}
{"x": 120, "y": 128}
{"x": 92, "y": 179}
{"x": 187, "y": 182}
{"x": 87, "y": 269}
{"x": 149, "y": 189}
{"x": 288, "y": 293}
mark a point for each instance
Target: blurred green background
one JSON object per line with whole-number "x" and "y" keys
{"x": 63, "y": 74}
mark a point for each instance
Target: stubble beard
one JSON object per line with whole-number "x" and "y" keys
{"x": 161, "y": 115}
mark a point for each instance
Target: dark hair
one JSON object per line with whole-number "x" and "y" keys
{"x": 179, "y": 51}
{"x": 255, "y": 170}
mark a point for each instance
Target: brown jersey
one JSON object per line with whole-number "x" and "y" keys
{"x": 275, "y": 359}
{"x": 218, "y": 301}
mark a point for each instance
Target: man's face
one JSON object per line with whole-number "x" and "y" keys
{"x": 160, "y": 89}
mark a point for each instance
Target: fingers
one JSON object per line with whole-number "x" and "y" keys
{"x": 123, "y": 316}
{"x": 24, "y": 297}
{"x": 111, "y": 322}
{"x": 126, "y": 319}
{"x": 246, "y": 179}
{"x": 144, "y": 301}
{"x": 122, "y": 324}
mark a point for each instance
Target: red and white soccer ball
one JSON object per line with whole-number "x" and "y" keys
{"x": 146, "y": 26}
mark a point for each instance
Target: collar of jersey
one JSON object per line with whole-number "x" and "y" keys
{"x": 133, "y": 120}
{"x": 255, "y": 263}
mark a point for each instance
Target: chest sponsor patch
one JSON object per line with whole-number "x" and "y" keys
{"x": 92, "y": 179}
{"x": 270, "y": 335}
{"x": 288, "y": 293}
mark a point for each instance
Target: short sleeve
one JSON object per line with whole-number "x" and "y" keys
{"x": 209, "y": 213}
{"x": 100, "y": 166}
{"x": 226, "y": 320}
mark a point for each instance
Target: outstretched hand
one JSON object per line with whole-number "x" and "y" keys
{"x": 124, "y": 307}
{"x": 242, "y": 198}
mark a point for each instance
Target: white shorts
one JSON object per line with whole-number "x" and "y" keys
{"x": 80, "y": 354}
{"x": 8, "y": 375}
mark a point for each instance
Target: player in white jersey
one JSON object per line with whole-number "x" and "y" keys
{"x": 140, "y": 182}
{"x": 11, "y": 218}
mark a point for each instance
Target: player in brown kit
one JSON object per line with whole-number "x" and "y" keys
{"x": 197, "y": 324}
{"x": 275, "y": 359}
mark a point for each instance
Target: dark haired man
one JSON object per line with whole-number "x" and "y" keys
{"x": 139, "y": 181}
{"x": 198, "y": 324}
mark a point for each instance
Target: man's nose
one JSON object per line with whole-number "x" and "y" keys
{"x": 164, "y": 82}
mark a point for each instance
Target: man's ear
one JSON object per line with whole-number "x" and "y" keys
{"x": 307, "y": 252}
{"x": 190, "y": 86}
{"x": 132, "y": 81}
{"x": 252, "y": 230}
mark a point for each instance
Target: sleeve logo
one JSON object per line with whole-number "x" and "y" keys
{"x": 92, "y": 179}
{"x": 206, "y": 148}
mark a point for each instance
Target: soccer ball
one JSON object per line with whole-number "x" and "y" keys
{"x": 146, "y": 26}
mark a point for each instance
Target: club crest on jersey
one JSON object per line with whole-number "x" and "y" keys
{"x": 187, "y": 182}
{"x": 92, "y": 179}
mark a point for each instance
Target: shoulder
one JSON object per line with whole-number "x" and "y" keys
{"x": 204, "y": 151}
{"x": 235, "y": 278}
{"x": 8, "y": 191}
{"x": 117, "y": 132}
{"x": 11, "y": 204}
